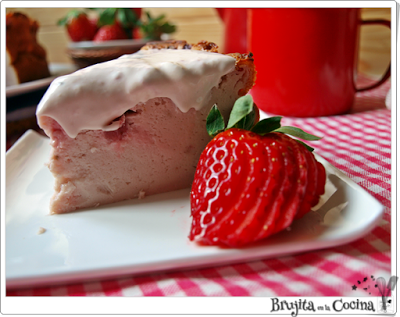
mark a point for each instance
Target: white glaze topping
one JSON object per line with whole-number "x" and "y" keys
{"x": 92, "y": 97}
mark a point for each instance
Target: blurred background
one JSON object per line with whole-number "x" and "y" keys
{"x": 195, "y": 24}
{"x": 190, "y": 24}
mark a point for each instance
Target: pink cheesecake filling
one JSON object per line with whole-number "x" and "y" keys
{"x": 120, "y": 131}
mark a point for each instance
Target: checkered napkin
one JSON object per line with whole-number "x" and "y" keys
{"x": 359, "y": 144}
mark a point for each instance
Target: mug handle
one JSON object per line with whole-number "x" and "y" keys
{"x": 387, "y": 73}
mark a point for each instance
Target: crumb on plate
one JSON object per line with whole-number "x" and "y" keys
{"x": 142, "y": 194}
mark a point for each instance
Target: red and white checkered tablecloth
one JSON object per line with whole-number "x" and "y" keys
{"x": 359, "y": 144}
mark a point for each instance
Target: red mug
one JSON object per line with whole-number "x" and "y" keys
{"x": 235, "y": 29}
{"x": 306, "y": 59}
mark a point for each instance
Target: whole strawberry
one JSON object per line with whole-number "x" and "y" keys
{"x": 110, "y": 32}
{"x": 78, "y": 26}
{"x": 251, "y": 184}
{"x": 117, "y": 23}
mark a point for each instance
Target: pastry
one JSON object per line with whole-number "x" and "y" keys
{"x": 25, "y": 58}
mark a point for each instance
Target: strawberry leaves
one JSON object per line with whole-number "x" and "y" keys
{"x": 154, "y": 27}
{"x": 124, "y": 16}
{"x": 243, "y": 113}
{"x": 107, "y": 16}
{"x": 127, "y": 18}
{"x": 267, "y": 125}
{"x": 215, "y": 122}
{"x": 243, "y": 117}
{"x": 73, "y": 14}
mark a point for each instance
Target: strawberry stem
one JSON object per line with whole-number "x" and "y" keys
{"x": 243, "y": 116}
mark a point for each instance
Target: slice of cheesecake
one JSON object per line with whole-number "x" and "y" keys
{"x": 135, "y": 126}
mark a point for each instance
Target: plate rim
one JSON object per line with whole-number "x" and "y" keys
{"x": 19, "y": 89}
{"x": 90, "y": 45}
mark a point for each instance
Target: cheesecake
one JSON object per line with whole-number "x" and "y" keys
{"x": 136, "y": 126}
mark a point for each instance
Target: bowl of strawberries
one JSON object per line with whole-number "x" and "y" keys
{"x": 101, "y": 34}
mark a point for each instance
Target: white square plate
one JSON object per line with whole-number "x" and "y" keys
{"x": 148, "y": 235}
